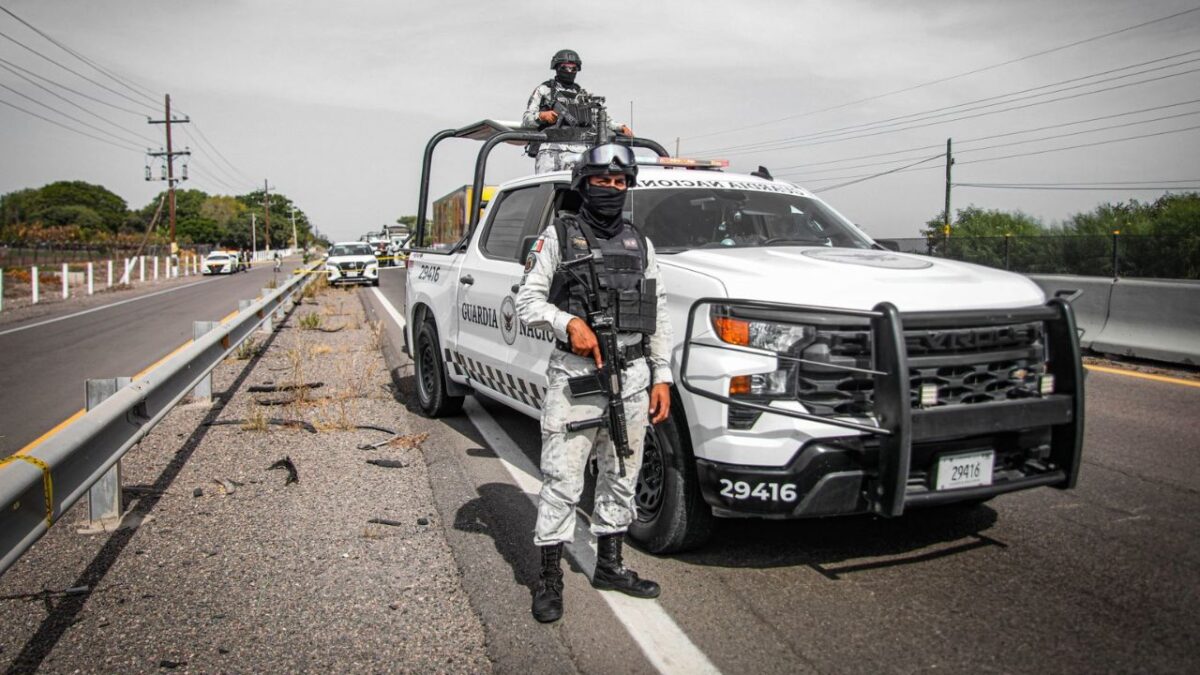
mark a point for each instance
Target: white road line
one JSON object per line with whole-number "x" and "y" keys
{"x": 387, "y": 306}
{"x": 108, "y": 306}
{"x": 663, "y": 642}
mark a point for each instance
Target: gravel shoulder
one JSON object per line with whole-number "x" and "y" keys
{"x": 271, "y": 576}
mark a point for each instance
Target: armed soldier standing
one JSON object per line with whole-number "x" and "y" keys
{"x": 593, "y": 257}
{"x": 562, "y": 108}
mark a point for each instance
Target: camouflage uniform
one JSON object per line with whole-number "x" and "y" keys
{"x": 553, "y": 156}
{"x": 565, "y": 453}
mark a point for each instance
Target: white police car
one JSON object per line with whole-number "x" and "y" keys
{"x": 352, "y": 262}
{"x": 817, "y": 373}
{"x": 219, "y": 262}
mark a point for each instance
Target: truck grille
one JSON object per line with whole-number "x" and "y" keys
{"x": 352, "y": 265}
{"x": 967, "y": 366}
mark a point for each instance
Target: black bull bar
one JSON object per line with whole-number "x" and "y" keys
{"x": 898, "y": 425}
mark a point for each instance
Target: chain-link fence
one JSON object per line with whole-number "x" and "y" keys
{"x": 1116, "y": 255}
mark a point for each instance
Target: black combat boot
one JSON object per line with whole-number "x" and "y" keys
{"x": 548, "y": 595}
{"x": 611, "y": 575}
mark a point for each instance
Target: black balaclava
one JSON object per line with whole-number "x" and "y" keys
{"x": 601, "y": 209}
{"x": 565, "y": 77}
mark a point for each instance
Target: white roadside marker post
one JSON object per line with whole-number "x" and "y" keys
{"x": 91, "y": 286}
{"x": 109, "y": 274}
{"x": 34, "y": 280}
{"x": 65, "y": 271}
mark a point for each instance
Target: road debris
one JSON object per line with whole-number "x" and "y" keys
{"x": 286, "y": 463}
{"x": 388, "y": 463}
{"x": 385, "y": 521}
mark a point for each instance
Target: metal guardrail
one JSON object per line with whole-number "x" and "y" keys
{"x": 37, "y": 487}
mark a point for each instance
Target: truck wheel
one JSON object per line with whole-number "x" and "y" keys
{"x": 431, "y": 376}
{"x": 672, "y": 516}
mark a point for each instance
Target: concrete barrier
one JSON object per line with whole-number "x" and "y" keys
{"x": 1143, "y": 318}
{"x": 1151, "y": 319}
{"x": 1091, "y": 307}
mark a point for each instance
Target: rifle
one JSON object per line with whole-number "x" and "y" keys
{"x": 607, "y": 379}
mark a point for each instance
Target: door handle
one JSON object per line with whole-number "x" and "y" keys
{"x": 466, "y": 279}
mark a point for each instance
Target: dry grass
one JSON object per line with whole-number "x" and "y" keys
{"x": 310, "y": 321}
{"x": 248, "y": 349}
{"x": 255, "y": 421}
{"x": 316, "y": 287}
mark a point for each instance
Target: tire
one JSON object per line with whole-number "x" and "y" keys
{"x": 432, "y": 398}
{"x": 672, "y": 515}
{"x": 375, "y": 283}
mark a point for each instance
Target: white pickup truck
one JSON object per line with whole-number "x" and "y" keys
{"x": 817, "y": 372}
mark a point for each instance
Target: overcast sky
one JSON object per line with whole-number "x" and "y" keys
{"x": 334, "y": 102}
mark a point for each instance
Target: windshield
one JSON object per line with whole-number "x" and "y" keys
{"x": 218, "y": 256}
{"x": 351, "y": 249}
{"x": 679, "y": 219}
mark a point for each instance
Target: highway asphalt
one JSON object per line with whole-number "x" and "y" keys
{"x": 1105, "y": 577}
{"x": 43, "y": 365}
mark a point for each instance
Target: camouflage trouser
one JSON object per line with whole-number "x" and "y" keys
{"x": 557, "y": 157}
{"x": 564, "y": 460}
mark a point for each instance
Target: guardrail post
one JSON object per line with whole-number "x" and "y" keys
{"x": 267, "y": 325}
{"x": 65, "y": 272}
{"x": 203, "y": 391}
{"x": 104, "y": 497}
{"x": 34, "y": 280}
{"x": 243, "y": 304}
{"x": 91, "y": 278}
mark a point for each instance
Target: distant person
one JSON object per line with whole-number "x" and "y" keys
{"x": 278, "y": 261}
{"x": 561, "y": 92}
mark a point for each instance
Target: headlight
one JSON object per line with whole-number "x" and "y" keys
{"x": 330, "y": 268}
{"x": 769, "y": 335}
{"x": 779, "y": 337}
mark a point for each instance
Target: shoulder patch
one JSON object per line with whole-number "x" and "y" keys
{"x": 579, "y": 243}
{"x": 530, "y": 261}
{"x": 537, "y": 246}
{"x": 630, "y": 243}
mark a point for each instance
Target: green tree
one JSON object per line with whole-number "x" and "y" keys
{"x": 110, "y": 208}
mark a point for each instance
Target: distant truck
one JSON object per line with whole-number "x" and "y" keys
{"x": 816, "y": 373}
{"x": 450, "y": 216}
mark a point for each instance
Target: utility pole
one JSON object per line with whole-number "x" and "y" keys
{"x": 946, "y": 215}
{"x": 267, "y": 211}
{"x": 254, "y": 233}
{"x": 295, "y": 242}
{"x": 676, "y": 146}
{"x": 170, "y": 158}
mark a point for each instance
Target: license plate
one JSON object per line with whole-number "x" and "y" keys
{"x": 967, "y": 470}
{"x": 351, "y": 273}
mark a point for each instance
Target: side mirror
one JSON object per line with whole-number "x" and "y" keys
{"x": 889, "y": 244}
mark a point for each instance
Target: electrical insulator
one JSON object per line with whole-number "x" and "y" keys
{"x": 148, "y": 172}
{"x": 184, "y": 172}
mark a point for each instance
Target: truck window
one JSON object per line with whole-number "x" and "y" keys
{"x": 507, "y": 226}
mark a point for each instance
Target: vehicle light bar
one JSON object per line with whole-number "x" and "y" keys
{"x": 686, "y": 162}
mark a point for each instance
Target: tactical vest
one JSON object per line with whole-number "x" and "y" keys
{"x": 568, "y": 98}
{"x": 624, "y": 289}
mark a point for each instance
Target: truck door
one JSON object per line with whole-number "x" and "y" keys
{"x": 487, "y": 320}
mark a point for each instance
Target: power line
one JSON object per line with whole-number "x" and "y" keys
{"x": 70, "y": 117}
{"x": 69, "y": 101}
{"x": 71, "y": 129}
{"x": 71, "y": 70}
{"x": 1032, "y": 130}
{"x": 104, "y": 71}
{"x": 208, "y": 146}
{"x": 60, "y": 85}
{"x": 826, "y": 137}
{"x": 881, "y": 174}
{"x": 1023, "y": 154}
{"x": 1175, "y": 185}
{"x": 953, "y": 77}
{"x": 958, "y": 108}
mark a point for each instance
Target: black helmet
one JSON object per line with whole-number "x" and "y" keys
{"x": 565, "y": 56}
{"x": 605, "y": 159}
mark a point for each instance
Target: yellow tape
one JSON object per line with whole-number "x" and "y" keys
{"x": 47, "y": 481}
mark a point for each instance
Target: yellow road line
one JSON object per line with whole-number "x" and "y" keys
{"x": 1144, "y": 376}
{"x": 57, "y": 428}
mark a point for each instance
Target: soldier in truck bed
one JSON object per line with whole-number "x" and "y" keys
{"x": 540, "y": 114}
